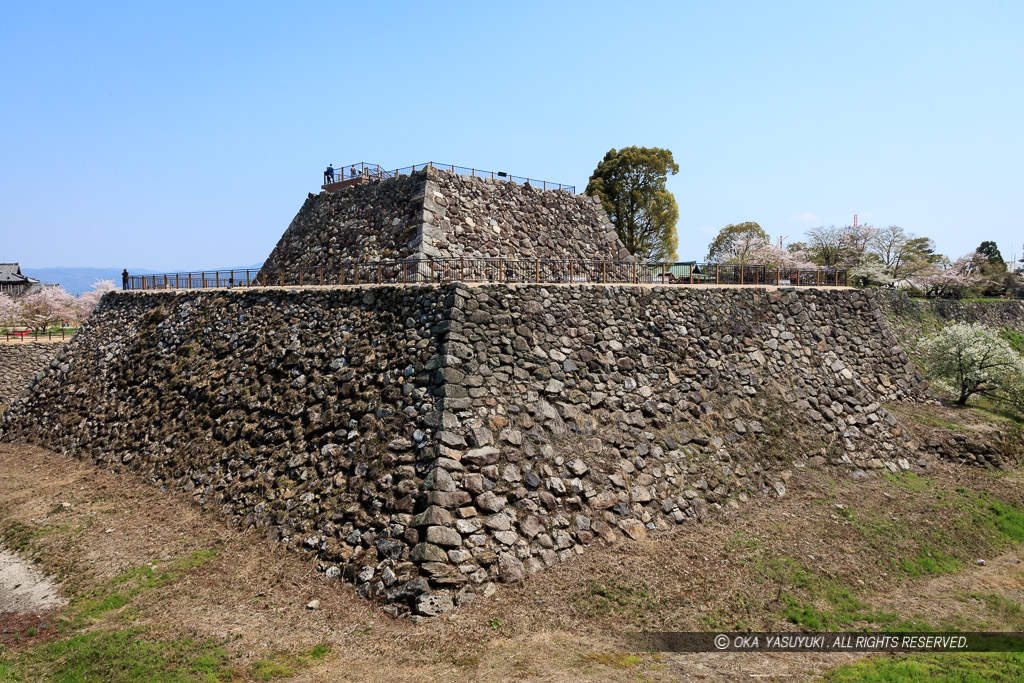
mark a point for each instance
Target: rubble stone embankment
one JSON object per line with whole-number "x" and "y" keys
{"x": 20, "y": 363}
{"x": 426, "y": 443}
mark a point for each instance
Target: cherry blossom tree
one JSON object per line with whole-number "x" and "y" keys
{"x": 10, "y": 311}
{"x": 759, "y": 251}
{"x": 774, "y": 255}
{"x": 88, "y": 301}
{"x": 835, "y": 247}
{"x": 871, "y": 272}
{"x": 733, "y": 242}
{"x": 50, "y": 304}
{"x": 949, "y": 280}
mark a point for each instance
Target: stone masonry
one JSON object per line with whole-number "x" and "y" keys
{"x": 425, "y": 443}
{"x": 19, "y": 364}
{"x": 996, "y": 314}
{"x": 438, "y": 214}
{"x": 476, "y": 218}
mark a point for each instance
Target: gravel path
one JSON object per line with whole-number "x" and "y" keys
{"x": 23, "y": 588}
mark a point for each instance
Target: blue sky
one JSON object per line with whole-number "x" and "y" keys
{"x": 186, "y": 135}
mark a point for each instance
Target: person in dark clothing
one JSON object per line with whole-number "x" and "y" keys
{"x": 124, "y": 279}
{"x": 329, "y": 174}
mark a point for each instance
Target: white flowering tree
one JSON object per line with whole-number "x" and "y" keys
{"x": 50, "y": 304}
{"x": 762, "y": 252}
{"x": 870, "y": 272}
{"x": 10, "y": 311}
{"x": 844, "y": 247}
{"x": 949, "y": 280}
{"x": 971, "y": 359}
{"x": 88, "y": 301}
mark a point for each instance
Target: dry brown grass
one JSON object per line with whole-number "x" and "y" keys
{"x": 563, "y": 624}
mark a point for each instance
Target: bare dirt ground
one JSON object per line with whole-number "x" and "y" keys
{"x": 23, "y": 588}
{"x": 86, "y": 528}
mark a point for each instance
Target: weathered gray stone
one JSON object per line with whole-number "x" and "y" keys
{"x": 427, "y": 552}
{"x": 433, "y": 516}
{"x": 490, "y": 502}
{"x": 440, "y": 535}
{"x": 487, "y": 455}
{"x": 433, "y": 604}
{"x": 510, "y": 568}
{"x": 531, "y": 526}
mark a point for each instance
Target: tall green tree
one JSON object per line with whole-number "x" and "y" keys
{"x": 991, "y": 270}
{"x": 990, "y": 250}
{"x": 735, "y": 243}
{"x": 630, "y": 183}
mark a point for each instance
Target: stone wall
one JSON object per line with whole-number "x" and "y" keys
{"x": 19, "y": 364}
{"x": 438, "y": 214}
{"x": 477, "y": 218}
{"x": 912, "y": 320}
{"x": 369, "y": 221}
{"x": 998, "y": 314}
{"x": 425, "y": 443}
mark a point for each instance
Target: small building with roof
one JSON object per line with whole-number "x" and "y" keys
{"x": 13, "y": 282}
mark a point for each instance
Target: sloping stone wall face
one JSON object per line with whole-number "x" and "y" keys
{"x": 997, "y": 314}
{"x": 427, "y": 442}
{"x": 480, "y": 218}
{"x": 19, "y": 364}
{"x": 369, "y": 222}
{"x": 437, "y": 214}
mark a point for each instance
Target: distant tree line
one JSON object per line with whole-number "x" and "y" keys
{"x": 631, "y": 184}
{"x": 881, "y": 257}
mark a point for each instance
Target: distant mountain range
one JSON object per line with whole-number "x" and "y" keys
{"x": 79, "y": 280}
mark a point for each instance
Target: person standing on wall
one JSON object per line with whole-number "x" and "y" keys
{"x": 329, "y": 174}
{"x": 124, "y": 279}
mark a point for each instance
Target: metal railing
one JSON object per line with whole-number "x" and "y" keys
{"x": 363, "y": 170}
{"x": 498, "y": 270}
{"x": 36, "y": 335}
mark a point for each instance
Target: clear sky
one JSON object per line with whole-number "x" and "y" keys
{"x": 186, "y": 135}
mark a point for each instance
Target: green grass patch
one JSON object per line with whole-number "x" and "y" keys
{"x": 120, "y": 590}
{"x": 21, "y": 537}
{"x": 285, "y": 665}
{"x": 930, "y": 561}
{"x": 909, "y": 481}
{"x": 937, "y": 668}
{"x": 1005, "y": 519}
{"x": 997, "y": 604}
{"x": 92, "y": 609}
{"x": 1014, "y": 338}
{"x": 615, "y": 660}
{"x": 997, "y": 411}
{"x": 907, "y": 547}
{"x": 817, "y": 602}
{"x": 126, "y": 655}
{"x": 17, "y": 536}
{"x": 600, "y": 599}
{"x": 974, "y": 523}
{"x": 933, "y": 421}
